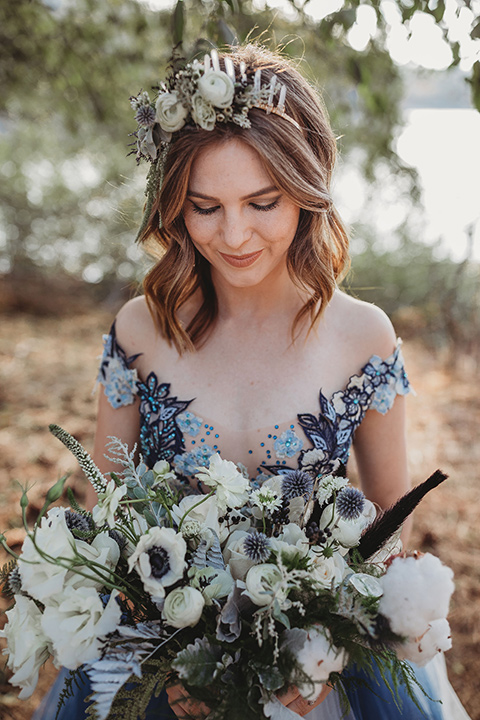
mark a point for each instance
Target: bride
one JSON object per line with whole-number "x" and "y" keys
{"x": 242, "y": 343}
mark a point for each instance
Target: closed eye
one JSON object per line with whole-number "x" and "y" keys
{"x": 266, "y": 208}
{"x": 203, "y": 211}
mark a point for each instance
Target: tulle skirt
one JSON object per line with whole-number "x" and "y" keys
{"x": 374, "y": 703}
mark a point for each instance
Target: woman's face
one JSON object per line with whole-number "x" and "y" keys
{"x": 237, "y": 219}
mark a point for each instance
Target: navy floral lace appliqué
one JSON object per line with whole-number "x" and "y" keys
{"x": 164, "y": 419}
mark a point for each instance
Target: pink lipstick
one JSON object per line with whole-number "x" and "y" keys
{"x": 241, "y": 260}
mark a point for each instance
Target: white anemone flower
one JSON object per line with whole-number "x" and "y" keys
{"x": 159, "y": 559}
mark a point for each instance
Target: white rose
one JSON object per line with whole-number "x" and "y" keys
{"x": 203, "y": 112}
{"x": 264, "y": 584}
{"x": 77, "y": 625}
{"x": 108, "y": 502}
{"x": 40, "y": 578}
{"x": 328, "y": 571}
{"x": 292, "y": 541}
{"x": 205, "y": 512}
{"x": 232, "y": 488}
{"x": 234, "y": 554}
{"x": 217, "y": 88}
{"x": 171, "y": 113}
{"x": 159, "y": 559}
{"x": 183, "y": 607}
{"x": 27, "y": 644}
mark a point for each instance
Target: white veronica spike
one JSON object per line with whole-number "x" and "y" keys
{"x": 281, "y": 101}
{"x": 229, "y": 68}
{"x": 257, "y": 81}
{"x": 215, "y": 60}
{"x": 207, "y": 63}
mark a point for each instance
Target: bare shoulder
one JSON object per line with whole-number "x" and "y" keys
{"x": 135, "y": 326}
{"x": 367, "y": 328}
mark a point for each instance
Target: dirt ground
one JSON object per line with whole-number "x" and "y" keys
{"x": 47, "y": 370}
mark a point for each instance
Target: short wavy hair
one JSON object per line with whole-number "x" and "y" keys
{"x": 299, "y": 162}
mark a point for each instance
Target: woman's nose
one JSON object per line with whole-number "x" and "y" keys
{"x": 235, "y": 231}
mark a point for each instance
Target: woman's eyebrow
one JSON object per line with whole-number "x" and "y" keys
{"x": 257, "y": 193}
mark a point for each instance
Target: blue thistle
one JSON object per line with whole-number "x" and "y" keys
{"x": 76, "y": 521}
{"x": 145, "y": 116}
{"x": 350, "y": 503}
{"x": 296, "y": 483}
{"x": 15, "y": 581}
{"x": 257, "y": 547}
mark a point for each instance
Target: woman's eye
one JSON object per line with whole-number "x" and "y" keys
{"x": 266, "y": 208}
{"x": 203, "y": 211}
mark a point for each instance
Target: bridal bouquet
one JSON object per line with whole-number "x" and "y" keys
{"x": 237, "y": 593}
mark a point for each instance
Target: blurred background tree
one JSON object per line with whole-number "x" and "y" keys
{"x": 71, "y": 198}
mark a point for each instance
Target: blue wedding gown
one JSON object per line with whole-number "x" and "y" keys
{"x": 317, "y": 441}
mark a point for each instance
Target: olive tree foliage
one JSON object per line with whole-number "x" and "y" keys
{"x": 71, "y": 196}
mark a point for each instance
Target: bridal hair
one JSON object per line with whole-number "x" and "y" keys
{"x": 300, "y": 163}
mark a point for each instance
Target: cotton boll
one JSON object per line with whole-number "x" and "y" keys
{"x": 415, "y": 592}
{"x": 422, "y": 650}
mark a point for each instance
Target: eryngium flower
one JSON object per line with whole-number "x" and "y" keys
{"x": 257, "y": 547}
{"x": 350, "y": 503}
{"x": 146, "y": 116}
{"x": 76, "y": 521}
{"x": 296, "y": 483}
{"x": 15, "y": 581}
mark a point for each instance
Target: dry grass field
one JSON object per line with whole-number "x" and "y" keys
{"x": 47, "y": 370}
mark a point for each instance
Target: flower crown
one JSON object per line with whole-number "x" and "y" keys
{"x": 202, "y": 95}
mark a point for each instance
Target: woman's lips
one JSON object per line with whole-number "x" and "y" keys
{"x": 241, "y": 260}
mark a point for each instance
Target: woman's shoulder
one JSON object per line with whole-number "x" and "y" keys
{"x": 135, "y": 328}
{"x": 366, "y": 327}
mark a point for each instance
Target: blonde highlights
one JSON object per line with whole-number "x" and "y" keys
{"x": 299, "y": 162}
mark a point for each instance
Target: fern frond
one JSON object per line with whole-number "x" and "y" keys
{"x": 75, "y": 679}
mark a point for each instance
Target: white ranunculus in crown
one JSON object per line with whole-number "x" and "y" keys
{"x": 217, "y": 88}
{"x": 171, "y": 113}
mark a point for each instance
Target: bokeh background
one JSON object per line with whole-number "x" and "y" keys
{"x": 401, "y": 82}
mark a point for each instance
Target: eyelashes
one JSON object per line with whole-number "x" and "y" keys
{"x": 211, "y": 210}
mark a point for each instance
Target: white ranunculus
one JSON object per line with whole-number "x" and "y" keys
{"x": 40, "y": 578}
{"x": 292, "y": 541}
{"x": 203, "y": 112}
{"x": 327, "y": 571}
{"x": 231, "y": 486}
{"x": 77, "y": 625}
{"x": 108, "y": 502}
{"x": 205, "y": 512}
{"x": 183, "y": 607}
{"x": 27, "y": 644}
{"x": 415, "y": 592}
{"x": 318, "y": 657}
{"x": 171, "y": 113}
{"x": 235, "y": 556}
{"x": 159, "y": 559}
{"x": 347, "y": 532}
{"x": 264, "y": 583}
{"x": 421, "y": 650}
{"x": 217, "y": 88}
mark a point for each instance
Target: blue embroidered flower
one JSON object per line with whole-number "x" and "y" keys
{"x": 188, "y": 463}
{"x": 287, "y": 445}
{"x": 189, "y": 423}
{"x": 119, "y": 381}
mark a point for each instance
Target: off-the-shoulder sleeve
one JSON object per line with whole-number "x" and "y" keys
{"x": 388, "y": 378}
{"x": 116, "y": 376}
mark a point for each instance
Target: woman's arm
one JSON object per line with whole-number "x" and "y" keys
{"x": 380, "y": 452}
{"x": 123, "y": 423}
